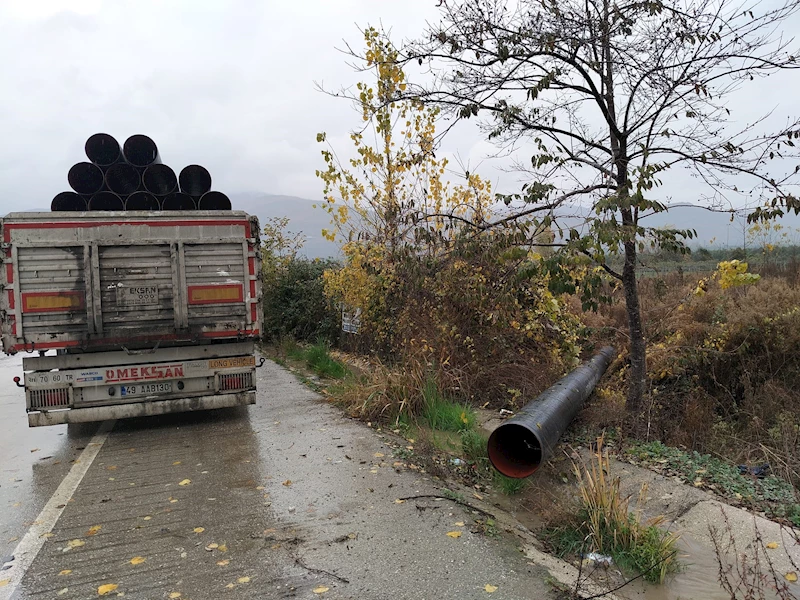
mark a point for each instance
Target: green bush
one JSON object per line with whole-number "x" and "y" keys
{"x": 295, "y": 304}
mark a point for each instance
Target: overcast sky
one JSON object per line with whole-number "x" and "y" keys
{"x": 226, "y": 84}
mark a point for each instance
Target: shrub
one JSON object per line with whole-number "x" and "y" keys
{"x": 295, "y": 303}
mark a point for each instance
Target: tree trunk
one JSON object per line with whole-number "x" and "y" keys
{"x": 637, "y": 378}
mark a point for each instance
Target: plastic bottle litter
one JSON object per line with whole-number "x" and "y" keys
{"x": 601, "y": 560}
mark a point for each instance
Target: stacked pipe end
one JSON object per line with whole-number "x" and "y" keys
{"x": 132, "y": 177}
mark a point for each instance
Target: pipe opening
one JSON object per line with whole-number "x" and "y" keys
{"x": 159, "y": 180}
{"x": 515, "y": 450}
{"x": 142, "y": 201}
{"x": 214, "y": 201}
{"x": 123, "y": 179}
{"x": 106, "y": 201}
{"x": 195, "y": 180}
{"x": 68, "y": 201}
{"x": 140, "y": 151}
{"x": 178, "y": 201}
{"x": 85, "y": 178}
{"x": 102, "y": 149}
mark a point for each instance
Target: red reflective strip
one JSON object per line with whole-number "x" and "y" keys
{"x": 252, "y": 262}
{"x": 254, "y": 313}
{"x": 163, "y": 338}
{"x": 9, "y": 273}
{"x": 11, "y": 300}
{"x": 85, "y": 225}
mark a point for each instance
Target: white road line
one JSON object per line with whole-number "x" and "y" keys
{"x": 34, "y": 539}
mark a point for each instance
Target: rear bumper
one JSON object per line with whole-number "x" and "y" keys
{"x": 139, "y": 409}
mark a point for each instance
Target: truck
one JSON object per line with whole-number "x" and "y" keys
{"x": 131, "y": 313}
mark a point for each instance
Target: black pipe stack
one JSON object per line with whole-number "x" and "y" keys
{"x": 134, "y": 178}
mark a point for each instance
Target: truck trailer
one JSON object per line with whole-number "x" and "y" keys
{"x": 131, "y": 313}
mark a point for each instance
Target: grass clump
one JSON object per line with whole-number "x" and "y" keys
{"x": 316, "y": 357}
{"x": 605, "y": 524}
{"x": 440, "y": 413}
{"x": 509, "y": 485}
{"x": 319, "y": 359}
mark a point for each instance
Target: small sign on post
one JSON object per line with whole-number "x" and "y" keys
{"x": 351, "y": 319}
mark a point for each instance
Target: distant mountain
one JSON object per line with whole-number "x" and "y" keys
{"x": 303, "y": 218}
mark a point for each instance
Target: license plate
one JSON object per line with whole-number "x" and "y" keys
{"x": 143, "y": 389}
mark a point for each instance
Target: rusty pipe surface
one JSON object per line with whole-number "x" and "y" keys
{"x": 123, "y": 179}
{"x": 520, "y": 445}
{"x": 159, "y": 180}
{"x": 68, "y": 201}
{"x": 194, "y": 180}
{"x": 178, "y": 201}
{"x": 142, "y": 201}
{"x": 85, "y": 178}
{"x": 106, "y": 201}
{"x": 140, "y": 151}
{"x": 214, "y": 201}
{"x": 102, "y": 149}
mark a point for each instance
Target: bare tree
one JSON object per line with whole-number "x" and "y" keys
{"x": 611, "y": 96}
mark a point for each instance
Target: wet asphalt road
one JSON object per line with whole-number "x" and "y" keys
{"x": 284, "y": 499}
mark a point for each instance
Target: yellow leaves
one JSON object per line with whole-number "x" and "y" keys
{"x": 223, "y": 563}
{"x": 734, "y": 273}
{"x": 4, "y": 582}
{"x": 379, "y": 455}
{"x": 463, "y": 418}
{"x": 791, "y": 577}
{"x": 490, "y": 589}
{"x": 320, "y": 589}
{"x": 185, "y": 482}
{"x": 75, "y": 543}
{"x": 212, "y": 546}
{"x": 454, "y": 534}
{"x": 94, "y": 529}
{"x": 222, "y": 548}
{"x": 772, "y": 545}
{"x": 65, "y": 572}
{"x": 287, "y": 483}
{"x": 172, "y": 500}
{"x": 459, "y": 524}
{"x": 176, "y": 463}
{"x": 243, "y": 580}
{"x": 199, "y": 529}
{"x": 147, "y": 518}
{"x": 399, "y": 501}
{"x": 174, "y": 595}
{"x": 106, "y": 589}
{"x": 137, "y": 560}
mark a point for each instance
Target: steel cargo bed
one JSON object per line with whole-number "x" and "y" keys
{"x": 97, "y": 281}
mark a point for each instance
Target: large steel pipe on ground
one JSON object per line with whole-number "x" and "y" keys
{"x": 102, "y": 149}
{"x": 123, "y": 179}
{"x": 519, "y": 446}
{"x": 178, "y": 201}
{"x": 68, "y": 201}
{"x": 142, "y": 201}
{"x": 85, "y": 178}
{"x": 195, "y": 180}
{"x": 159, "y": 180}
{"x": 214, "y": 201}
{"x": 106, "y": 201}
{"x": 141, "y": 151}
